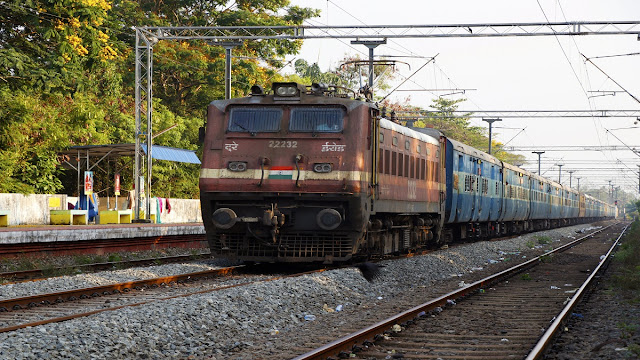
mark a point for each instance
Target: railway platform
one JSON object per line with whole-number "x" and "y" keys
{"x": 65, "y": 233}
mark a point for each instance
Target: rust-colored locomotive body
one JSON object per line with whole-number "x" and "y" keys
{"x": 310, "y": 176}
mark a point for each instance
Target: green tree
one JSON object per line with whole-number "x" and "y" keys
{"x": 66, "y": 78}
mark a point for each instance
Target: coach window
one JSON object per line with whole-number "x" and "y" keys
{"x": 254, "y": 119}
{"x": 419, "y": 149}
{"x": 407, "y": 145}
{"x": 394, "y": 141}
{"x": 400, "y": 164}
{"x": 316, "y": 119}
{"x": 381, "y": 137}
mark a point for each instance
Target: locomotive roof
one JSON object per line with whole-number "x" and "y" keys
{"x": 306, "y": 100}
{"x": 390, "y": 125}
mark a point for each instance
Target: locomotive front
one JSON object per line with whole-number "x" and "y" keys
{"x": 285, "y": 177}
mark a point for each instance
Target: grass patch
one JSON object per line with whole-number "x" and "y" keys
{"x": 26, "y": 263}
{"x": 525, "y": 277}
{"x": 543, "y": 240}
{"x": 114, "y": 257}
{"x": 530, "y": 244}
{"x": 635, "y": 349}
{"x": 546, "y": 258}
{"x": 627, "y": 330}
{"x": 628, "y": 259}
{"x": 51, "y": 271}
{"x": 88, "y": 259}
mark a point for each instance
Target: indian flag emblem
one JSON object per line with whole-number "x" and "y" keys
{"x": 281, "y": 172}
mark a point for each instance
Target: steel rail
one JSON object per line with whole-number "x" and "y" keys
{"x": 84, "y": 314}
{"x": 348, "y": 342}
{"x": 35, "y": 300}
{"x": 546, "y": 340}
{"x": 36, "y": 274}
{"x": 85, "y": 246}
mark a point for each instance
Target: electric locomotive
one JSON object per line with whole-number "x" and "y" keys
{"x": 311, "y": 175}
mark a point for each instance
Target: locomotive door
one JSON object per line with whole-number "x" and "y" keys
{"x": 376, "y": 165}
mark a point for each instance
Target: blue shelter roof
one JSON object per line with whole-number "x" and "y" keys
{"x": 158, "y": 152}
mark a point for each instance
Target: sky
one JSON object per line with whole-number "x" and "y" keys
{"x": 514, "y": 73}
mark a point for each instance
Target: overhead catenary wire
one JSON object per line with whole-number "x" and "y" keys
{"x": 623, "y": 143}
{"x": 610, "y": 78}
{"x": 402, "y": 83}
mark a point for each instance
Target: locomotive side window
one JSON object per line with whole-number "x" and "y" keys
{"x": 387, "y": 161}
{"x": 316, "y": 119}
{"x": 394, "y": 163}
{"x": 406, "y": 166}
{"x": 412, "y": 168}
{"x": 255, "y": 119}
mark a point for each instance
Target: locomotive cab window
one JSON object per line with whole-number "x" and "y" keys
{"x": 317, "y": 119}
{"x": 254, "y": 119}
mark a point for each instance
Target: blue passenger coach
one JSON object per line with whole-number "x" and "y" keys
{"x": 474, "y": 190}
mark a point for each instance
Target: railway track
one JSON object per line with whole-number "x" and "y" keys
{"x": 503, "y": 316}
{"x": 19, "y": 313}
{"x": 35, "y": 274}
{"x": 102, "y": 246}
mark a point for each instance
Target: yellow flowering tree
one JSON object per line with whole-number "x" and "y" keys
{"x": 53, "y": 45}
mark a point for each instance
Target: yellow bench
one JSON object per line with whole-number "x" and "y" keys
{"x": 69, "y": 217}
{"x": 4, "y": 217}
{"x": 115, "y": 217}
{"x": 143, "y": 216}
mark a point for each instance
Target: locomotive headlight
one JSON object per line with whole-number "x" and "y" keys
{"x": 328, "y": 219}
{"x": 322, "y": 167}
{"x": 224, "y": 218}
{"x": 287, "y": 89}
{"x": 237, "y": 166}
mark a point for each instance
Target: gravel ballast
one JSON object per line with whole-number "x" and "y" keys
{"x": 236, "y": 322}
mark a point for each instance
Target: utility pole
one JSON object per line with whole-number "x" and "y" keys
{"x": 228, "y": 46}
{"x": 371, "y": 44}
{"x": 560, "y": 173}
{"x": 490, "y": 121}
{"x": 539, "y": 154}
{"x": 610, "y": 190}
{"x": 578, "y": 183}
{"x": 570, "y": 173}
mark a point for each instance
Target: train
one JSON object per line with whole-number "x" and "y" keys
{"x": 316, "y": 174}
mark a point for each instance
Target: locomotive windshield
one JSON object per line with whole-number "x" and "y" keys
{"x": 255, "y": 119}
{"x": 316, "y": 119}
